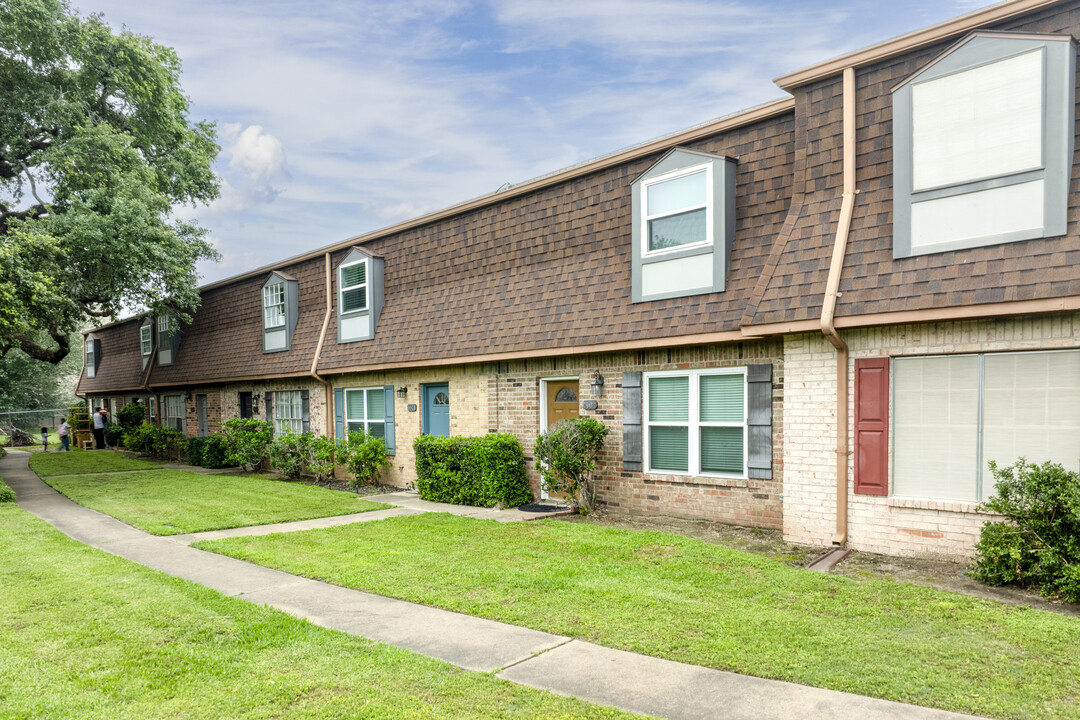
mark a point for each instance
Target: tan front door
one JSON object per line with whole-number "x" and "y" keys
{"x": 562, "y": 400}
{"x": 561, "y": 403}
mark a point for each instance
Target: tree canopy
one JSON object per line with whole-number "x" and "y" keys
{"x": 96, "y": 150}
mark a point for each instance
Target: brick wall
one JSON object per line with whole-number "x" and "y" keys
{"x": 229, "y": 399}
{"x": 505, "y": 397}
{"x": 896, "y": 526}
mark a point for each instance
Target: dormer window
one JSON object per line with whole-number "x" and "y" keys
{"x": 279, "y": 311}
{"x": 146, "y": 341}
{"x": 168, "y": 340}
{"x": 354, "y": 286}
{"x": 983, "y": 144}
{"x": 359, "y": 293}
{"x": 677, "y": 211}
{"x": 683, "y": 225}
{"x": 93, "y": 354}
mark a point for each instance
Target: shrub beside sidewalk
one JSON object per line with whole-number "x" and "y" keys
{"x": 481, "y": 471}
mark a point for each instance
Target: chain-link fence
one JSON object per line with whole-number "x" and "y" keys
{"x": 23, "y": 427}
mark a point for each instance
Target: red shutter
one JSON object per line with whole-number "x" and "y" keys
{"x": 872, "y": 426}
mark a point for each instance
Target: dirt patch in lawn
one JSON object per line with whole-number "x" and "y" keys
{"x": 946, "y": 575}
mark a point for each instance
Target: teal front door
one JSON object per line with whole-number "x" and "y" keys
{"x": 437, "y": 409}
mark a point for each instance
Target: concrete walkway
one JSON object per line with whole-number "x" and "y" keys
{"x": 569, "y": 667}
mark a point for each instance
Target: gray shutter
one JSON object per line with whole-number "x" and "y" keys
{"x": 759, "y": 421}
{"x": 268, "y": 406}
{"x": 388, "y": 417}
{"x": 305, "y": 409}
{"x": 631, "y": 415}
{"x": 97, "y": 355}
{"x": 339, "y": 413}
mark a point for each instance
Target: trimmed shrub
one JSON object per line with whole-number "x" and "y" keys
{"x": 289, "y": 454}
{"x": 114, "y": 435}
{"x": 325, "y": 454}
{"x": 483, "y": 471}
{"x": 6, "y": 494}
{"x": 150, "y": 439}
{"x": 131, "y": 415}
{"x": 208, "y": 452}
{"x": 1038, "y": 544}
{"x": 566, "y": 458}
{"x": 365, "y": 458}
{"x": 248, "y": 440}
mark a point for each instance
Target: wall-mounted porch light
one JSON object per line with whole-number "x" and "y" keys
{"x": 402, "y": 392}
{"x": 597, "y": 384}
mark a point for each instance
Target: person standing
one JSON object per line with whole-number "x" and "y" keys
{"x": 63, "y": 431}
{"x": 44, "y": 439}
{"x": 101, "y": 421}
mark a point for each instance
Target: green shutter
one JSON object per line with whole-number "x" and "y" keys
{"x": 354, "y": 275}
{"x": 722, "y": 449}
{"x": 669, "y": 399}
{"x": 721, "y": 398}
{"x": 668, "y": 447}
{"x": 354, "y": 404}
{"x": 376, "y": 404}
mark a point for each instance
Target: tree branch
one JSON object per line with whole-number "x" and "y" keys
{"x": 33, "y": 186}
{"x": 50, "y": 355}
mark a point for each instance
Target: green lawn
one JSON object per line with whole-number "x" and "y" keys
{"x": 673, "y": 597}
{"x": 79, "y": 462}
{"x": 84, "y": 634}
{"x": 171, "y": 502}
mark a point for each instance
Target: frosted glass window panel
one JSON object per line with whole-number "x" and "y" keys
{"x": 935, "y": 428}
{"x": 979, "y": 123}
{"x": 1012, "y": 208}
{"x": 676, "y": 194}
{"x": 1031, "y": 410}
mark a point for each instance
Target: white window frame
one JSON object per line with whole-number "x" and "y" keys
{"x": 342, "y": 289}
{"x": 151, "y": 403}
{"x": 163, "y": 325}
{"x": 146, "y": 340}
{"x": 984, "y": 481}
{"x": 273, "y": 304}
{"x": 88, "y": 357}
{"x": 693, "y": 423}
{"x": 170, "y": 419}
{"x": 365, "y": 421}
{"x": 284, "y": 400}
{"x": 646, "y": 218}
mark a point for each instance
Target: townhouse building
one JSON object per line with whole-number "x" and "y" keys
{"x": 825, "y": 315}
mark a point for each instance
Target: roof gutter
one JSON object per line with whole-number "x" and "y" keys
{"x": 329, "y": 399}
{"x": 828, "y": 309}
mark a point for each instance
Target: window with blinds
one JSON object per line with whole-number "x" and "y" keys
{"x": 353, "y": 284}
{"x": 696, "y": 422}
{"x": 274, "y": 305}
{"x": 174, "y": 412}
{"x": 952, "y": 415}
{"x": 365, "y": 409}
{"x": 288, "y": 412}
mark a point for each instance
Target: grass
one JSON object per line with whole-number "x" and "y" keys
{"x": 84, "y": 634}
{"x": 79, "y": 462}
{"x": 673, "y": 597}
{"x": 171, "y": 502}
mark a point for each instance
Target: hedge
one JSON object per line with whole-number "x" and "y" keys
{"x": 208, "y": 452}
{"x": 482, "y": 471}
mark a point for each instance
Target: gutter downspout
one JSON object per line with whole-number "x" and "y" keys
{"x": 329, "y": 396}
{"x": 828, "y": 310}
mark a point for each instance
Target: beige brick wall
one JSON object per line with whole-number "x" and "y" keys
{"x": 896, "y": 526}
{"x": 505, "y": 397}
{"x": 230, "y": 398}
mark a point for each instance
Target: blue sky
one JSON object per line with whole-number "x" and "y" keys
{"x": 337, "y": 118}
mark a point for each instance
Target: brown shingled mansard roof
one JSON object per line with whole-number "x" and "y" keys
{"x": 544, "y": 267}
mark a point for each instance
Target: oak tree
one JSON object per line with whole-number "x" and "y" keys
{"x": 96, "y": 152}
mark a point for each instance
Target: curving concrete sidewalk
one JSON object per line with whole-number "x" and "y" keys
{"x": 625, "y": 680}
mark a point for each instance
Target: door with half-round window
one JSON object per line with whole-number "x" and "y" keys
{"x": 436, "y": 419}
